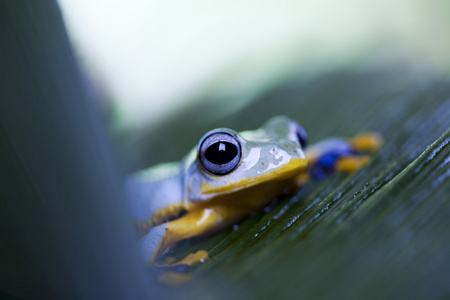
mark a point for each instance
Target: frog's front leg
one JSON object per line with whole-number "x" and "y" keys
{"x": 196, "y": 222}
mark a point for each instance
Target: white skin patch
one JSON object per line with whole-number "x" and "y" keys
{"x": 281, "y": 157}
{"x": 252, "y": 158}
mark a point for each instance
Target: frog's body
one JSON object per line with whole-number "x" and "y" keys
{"x": 225, "y": 178}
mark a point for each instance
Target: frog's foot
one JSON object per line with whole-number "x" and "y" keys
{"x": 362, "y": 143}
{"x": 367, "y": 142}
{"x": 352, "y": 163}
{"x": 198, "y": 257}
{"x": 175, "y": 273}
{"x": 194, "y": 223}
{"x": 153, "y": 244}
{"x": 183, "y": 265}
{"x": 171, "y": 272}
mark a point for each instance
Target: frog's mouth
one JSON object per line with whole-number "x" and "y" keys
{"x": 293, "y": 168}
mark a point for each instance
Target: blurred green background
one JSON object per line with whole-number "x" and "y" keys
{"x": 151, "y": 59}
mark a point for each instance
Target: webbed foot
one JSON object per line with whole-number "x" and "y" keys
{"x": 176, "y": 273}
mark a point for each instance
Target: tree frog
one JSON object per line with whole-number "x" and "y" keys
{"x": 229, "y": 175}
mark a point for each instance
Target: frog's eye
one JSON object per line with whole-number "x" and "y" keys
{"x": 220, "y": 153}
{"x": 302, "y": 136}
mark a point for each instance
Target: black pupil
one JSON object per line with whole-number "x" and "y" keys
{"x": 221, "y": 153}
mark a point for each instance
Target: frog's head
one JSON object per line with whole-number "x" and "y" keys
{"x": 227, "y": 161}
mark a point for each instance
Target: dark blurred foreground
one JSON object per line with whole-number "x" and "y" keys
{"x": 63, "y": 233}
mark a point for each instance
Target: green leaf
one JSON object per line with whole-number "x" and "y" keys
{"x": 378, "y": 233}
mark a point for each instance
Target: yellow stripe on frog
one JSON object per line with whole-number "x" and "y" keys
{"x": 292, "y": 168}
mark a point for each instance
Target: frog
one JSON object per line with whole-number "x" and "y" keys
{"x": 228, "y": 176}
